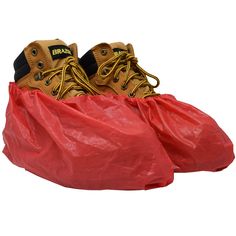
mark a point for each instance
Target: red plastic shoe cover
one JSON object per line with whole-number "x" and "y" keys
{"x": 87, "y": 142}
{"x": 97, "y": 142}
{"x": 192, "y": 139}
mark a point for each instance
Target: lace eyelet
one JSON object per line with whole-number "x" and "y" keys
{"x": 104, "y": 51}
{"x": 48, "y": 82}
{"x": 105, "y": 71}
{"x": 115, "y": 79}
{"x": 38, "y": 76}
{"x": 124, "y": 86}
{"x": 131, "y": 95}
{"x": 54, "y": 93}
{"x": 34, "y": 52}
{"x": 40, "y": 64}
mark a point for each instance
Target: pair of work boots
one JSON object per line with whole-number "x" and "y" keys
{"x": 53, "y": 67}
{"x": 123, "y": 136}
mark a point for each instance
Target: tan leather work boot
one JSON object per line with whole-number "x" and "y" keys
{"x": 52, "y": 67}
{"x": 113, "y": 68}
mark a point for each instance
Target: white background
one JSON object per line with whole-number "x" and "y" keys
{"x": 191, "y": 46}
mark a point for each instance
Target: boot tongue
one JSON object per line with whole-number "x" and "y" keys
{"x": 118, "y": 47}
{"x": 56, "y": 51}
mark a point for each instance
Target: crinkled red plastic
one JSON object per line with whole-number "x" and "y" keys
{"x": 86, "y": 142}
{"x": 192, "y": 139}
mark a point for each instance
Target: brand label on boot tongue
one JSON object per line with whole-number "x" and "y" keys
{"x": 59, "y": 51}
{"x": 117, "y": 51}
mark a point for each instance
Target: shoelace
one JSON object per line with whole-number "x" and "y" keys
{"x": 76, "y": 80}
{"x": 126, "y": 62}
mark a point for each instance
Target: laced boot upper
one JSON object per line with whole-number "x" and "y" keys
{"x": 52, "y": 67}
{"x": 114, "y": 69}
